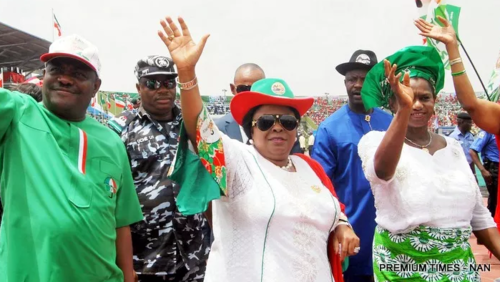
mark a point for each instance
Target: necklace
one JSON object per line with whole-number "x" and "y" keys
{"x": 422, "y": 147}
{"x": 288, "y": 166}
{"x": 368, "y": 118}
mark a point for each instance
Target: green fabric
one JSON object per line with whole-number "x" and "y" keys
{"x": 58, "y": 223}
{"x": 452, "y": 14}
{"x": 424, "y": 246}
{"x": 198, "y": 187}
{"x": 273, "y": 87}
{"x": 345, "y": 264}
{"x": 420, "y": 61}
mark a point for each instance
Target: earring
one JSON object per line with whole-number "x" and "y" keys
{"x": 250, "y": 141}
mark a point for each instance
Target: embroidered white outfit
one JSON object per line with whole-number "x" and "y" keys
{"x": 424, "y": 213}
{"x": 433, "y": 190}
{"x": 273, "y": 225}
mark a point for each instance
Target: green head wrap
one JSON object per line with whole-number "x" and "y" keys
{"x": 420, "y": 61}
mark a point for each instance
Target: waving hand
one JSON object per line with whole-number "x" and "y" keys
{"x": 445, "y": 33}
{"x": 184, "y": 51}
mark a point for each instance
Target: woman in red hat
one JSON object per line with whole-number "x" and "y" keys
{"x": 274, "y": 219}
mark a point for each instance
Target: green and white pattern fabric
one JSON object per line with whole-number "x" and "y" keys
{"x": 493, "y": 86}
{"x": 423, "y": 254}
{"x": 448, "y": 9}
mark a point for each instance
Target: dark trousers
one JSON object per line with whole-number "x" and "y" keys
{"x": 181, "y": 276}
{"x": 358, "y": 278}
{"x": 196, "y": 274}
{"x": 492, "y": 167}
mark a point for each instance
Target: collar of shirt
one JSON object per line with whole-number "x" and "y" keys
{"x": 144, "y": 115}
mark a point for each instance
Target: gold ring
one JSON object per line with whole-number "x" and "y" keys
{"x": 171, "y": 37}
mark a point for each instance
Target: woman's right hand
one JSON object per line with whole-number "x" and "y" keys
{"x": 403, "y": 92}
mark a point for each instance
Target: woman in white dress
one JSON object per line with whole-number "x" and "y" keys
{"x": 275, "y": 216}
{"x": 427, "y": 199}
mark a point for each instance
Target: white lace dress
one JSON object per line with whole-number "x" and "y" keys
{"x": 433, "y": 190}
{"x": 273, "y": 225}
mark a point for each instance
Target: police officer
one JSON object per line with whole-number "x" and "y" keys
{"x": 168, "y": 246}
{"x": 463, "y": 135}
{"x": 486, "y": 145}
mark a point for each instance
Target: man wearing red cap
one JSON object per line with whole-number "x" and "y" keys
{"x": 68, "y": 206}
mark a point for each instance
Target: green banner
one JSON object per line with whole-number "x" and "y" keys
{"x": 449, "y": 10}
{"x": 493, "y": 86}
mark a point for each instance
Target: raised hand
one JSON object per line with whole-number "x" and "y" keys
{"x": 445, "y": 34}
{"x": 404, "y": 93}
{"x": 184, "y": 51}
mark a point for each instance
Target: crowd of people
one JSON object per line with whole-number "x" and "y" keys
{"x": 447, "y": 109}
{"x": 164, "y": 192}
{"x": 102, "y": 119}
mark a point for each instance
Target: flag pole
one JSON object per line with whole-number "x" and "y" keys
{"x": 474, "y": 67}
{"x": 52, "y": 24}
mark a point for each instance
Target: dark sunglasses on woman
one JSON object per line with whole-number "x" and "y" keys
{"x": 243, "y": 88}
{"x": 265, "y": 122}
{"x": 154, "y": 84}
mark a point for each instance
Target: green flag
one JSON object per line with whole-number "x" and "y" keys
{"x": 493, "y": 86}
{"x": 198, "y": 187}
{"x": 448, "y": 9}
{"x": 202, "y": 176}
{"x": 101, "y": 99}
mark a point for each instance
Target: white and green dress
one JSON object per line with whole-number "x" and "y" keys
{"x": 425, "y": 214}
{"x": 269, "y": 224}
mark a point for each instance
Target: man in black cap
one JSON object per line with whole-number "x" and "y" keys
{"x": 336, "y": 149}
{"x": 167, "y": 245}
{"x": 463, "y": 135}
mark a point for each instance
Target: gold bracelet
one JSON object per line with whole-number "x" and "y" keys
{"x": 188, "y": 85}
{"x": 455, "y": 61}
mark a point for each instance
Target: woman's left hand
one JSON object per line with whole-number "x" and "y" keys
{"x": 445, "y": 33}
{"x": 346, "y": 243}
{"x": 184, "y": 52}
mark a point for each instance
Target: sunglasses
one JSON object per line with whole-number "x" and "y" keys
{"x": 154, "y": 84}
{"x": 265, "y": 122}
{"x": 243, "y": 88}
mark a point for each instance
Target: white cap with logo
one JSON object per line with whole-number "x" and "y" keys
{"x": 75, "y": 47}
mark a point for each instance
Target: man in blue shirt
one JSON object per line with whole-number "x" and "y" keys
{"x": 463, "y": 135}
{"x": 336, "y": 149}
{"x": 487, "y": 146}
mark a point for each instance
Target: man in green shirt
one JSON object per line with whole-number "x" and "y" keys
{"x": 65, "y": 183}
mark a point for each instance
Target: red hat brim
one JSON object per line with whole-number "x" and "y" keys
{"x": 49, "y": 56}
{"x": 243, "y": 102}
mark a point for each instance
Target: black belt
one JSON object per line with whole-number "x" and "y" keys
{"x": 489, "y": 161}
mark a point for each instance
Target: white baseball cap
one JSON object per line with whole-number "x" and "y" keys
{"x": 75, "y": 47}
